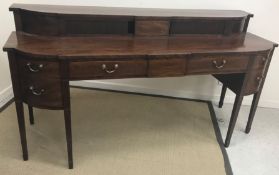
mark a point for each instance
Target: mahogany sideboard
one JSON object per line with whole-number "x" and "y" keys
{"x": 53, "y": 45}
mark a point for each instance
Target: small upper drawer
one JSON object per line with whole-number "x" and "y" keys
{"x": 215, "y": 64}
{"x": 38, "y": 67}
{"x": 107, "y": 69}
{"x": 152, "y": 27}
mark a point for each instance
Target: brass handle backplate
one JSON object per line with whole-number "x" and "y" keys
{"x": 219, "y": 66}
{"x": 36, "y": 91}
{"x": 115, "y": 67}
{"x": 34, "y": 68}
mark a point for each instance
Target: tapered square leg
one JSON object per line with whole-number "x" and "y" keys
{"x": 31, "y": 115}
{"x": 22, "y": 131}
{"x": 234, "y": 115}
{"x": 222, "y": 97}
{"x": 253, "y": 109}
{"x": 68, "y": 127}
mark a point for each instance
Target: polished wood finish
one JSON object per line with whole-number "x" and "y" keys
{"x": 55, "y": 44}
{"x": 170, "y": 65}
{"x": 43, "y": 20}
{"x": 113, "y": 47}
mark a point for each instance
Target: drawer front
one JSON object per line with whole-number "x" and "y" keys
{"x": 163, "y": 67}
{"x": 34, "y": 67}
{"x": 254, "y": 82}
{"x": 260, "y": 62}
{"x": 256, "y": 76}
{"x": 42, "y": 93}
{"x": 217, "y": 64}
{"x": 107, "y": 69}
{"x": 157, "y": 27}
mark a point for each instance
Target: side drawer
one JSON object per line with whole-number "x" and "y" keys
{"x": 107, "y": 69}
{"x": 254, "y": 82}
{"x": 256, "y": 76}
{"x": 35, "y": 67}
{"x": 42, "y": 92}
{"x": 215, "y": 64}
{"x": 260, "y": 61}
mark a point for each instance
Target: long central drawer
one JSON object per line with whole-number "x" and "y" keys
{"x": 108, "y": 69}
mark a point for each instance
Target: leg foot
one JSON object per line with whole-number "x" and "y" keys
{"x": 22, "y": 132}
{"x": 25, "y": 157}
{"x": 67, "y": 116}
{"x": 71, "y": 165}
{"x": 253, "y": 109}
{"x": 247, "y": 130}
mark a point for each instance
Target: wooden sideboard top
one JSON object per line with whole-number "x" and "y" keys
{"x": 124, "y": 11}
{"x": 131, "y": 45}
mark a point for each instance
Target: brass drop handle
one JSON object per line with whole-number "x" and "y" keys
{"x": 35, "y": 91}
{"x": 115, "y": 67}
{"x": 33, "y": 68}
{"x": 219, "y": 66}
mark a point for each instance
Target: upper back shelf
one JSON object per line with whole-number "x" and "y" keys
{"x": 58, "y": 20}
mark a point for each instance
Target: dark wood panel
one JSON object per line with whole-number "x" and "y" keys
{"x": 214, "y": 64}
{"x": 202, "y": 26}
{"x": 84, "y": 25}
{"x": 167, "y": 67}
{"x": 39, "y": 23}
{"x": 152, "y": 27}
{"x": 260, "y": 61}
{"x": 80, "y": 47}
{"x": 103, "y": 20}
{"x": 254, "y": 81}
{"x": 107, "y": 69}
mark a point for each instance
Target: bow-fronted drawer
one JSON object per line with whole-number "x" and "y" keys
{"x": 217, "y": 63}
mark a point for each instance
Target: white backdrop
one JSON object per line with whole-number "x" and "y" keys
{"x": 265, "y": 23}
